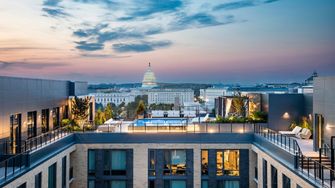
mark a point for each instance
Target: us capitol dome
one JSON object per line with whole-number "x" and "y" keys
{"x": 149, "y": 79}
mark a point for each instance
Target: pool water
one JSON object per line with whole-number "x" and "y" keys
{"x": 161, "y": 122}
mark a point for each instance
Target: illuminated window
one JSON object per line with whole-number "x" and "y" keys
{"x": 174, "y": 162}
{"x": 152, "y": 163}
{"x": 204, "y": 162}
{"x": 227, "y": 163}
{"x": 219, "y": 163}
{"x": 231, "y": 162}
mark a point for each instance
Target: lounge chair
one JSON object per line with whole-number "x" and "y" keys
{"x": 295, "y": 131}
{"x": 304, "y": 134}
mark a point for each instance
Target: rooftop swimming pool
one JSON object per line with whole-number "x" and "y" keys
{"x": 161, "y": 122}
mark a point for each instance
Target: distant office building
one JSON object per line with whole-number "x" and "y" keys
{"x": 208, "y": 95}
{"x": 170, "y": 96}
{"x": 115, "y": 97}
{"x": 30, "y": 107}
{"x": 149, "y": 79}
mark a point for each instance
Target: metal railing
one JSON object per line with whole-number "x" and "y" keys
{"x": 285, "y": 142}
{"x": 33, "y": 143}
{"x": 314, "y": 169}
{"x": 13, "y": 165}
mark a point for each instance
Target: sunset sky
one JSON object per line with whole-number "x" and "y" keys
{"x": 205, "y": 41}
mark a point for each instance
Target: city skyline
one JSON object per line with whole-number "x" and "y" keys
{"x": 229, "y": 41}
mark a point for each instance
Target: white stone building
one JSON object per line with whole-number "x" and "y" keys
{"x": 115, "y": 97}
{"x": 170, "y": 96}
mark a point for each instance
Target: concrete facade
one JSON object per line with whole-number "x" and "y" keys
{"x": 25, "y": 96}
{"x": 324, "y": 104}
{"x": 29, "y": 177}
{"x": 253, "y": 149}
{"x": 140, "y": 161}
{"x": 22, "y": 95}
{"x": 283, "y": 109}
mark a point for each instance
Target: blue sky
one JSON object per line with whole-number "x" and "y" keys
{"x": 247, "y": 41}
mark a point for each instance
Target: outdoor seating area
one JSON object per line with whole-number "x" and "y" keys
{"x": 298, "y": 132}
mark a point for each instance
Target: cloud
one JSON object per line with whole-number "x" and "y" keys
{"x": 199, "y": 20}
{"x": 241, "y": 4}
{"x": 150, "y": 7}
{"x": 100, "y": 37}
{"x": 52, "y": 3}
{"x": 90, "y": 32}
{"x": 89, "y": 46}
{"x": 54, "y": 12}
{"x": 51, "y": 8}
{"x": 143, "y": 46}
{"x": 28, "y": 65}
{"x": 107, "y": 3}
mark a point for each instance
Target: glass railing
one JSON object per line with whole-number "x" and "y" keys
{"x": 191, "y": 128}
{"x": 32, "y": 143}
{"x": 13, "y": 166}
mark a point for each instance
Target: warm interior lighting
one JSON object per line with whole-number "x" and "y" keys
{"x": 329, "y": 126}
{"x": 286, "y": 115}
{"x": 211, "y": 131}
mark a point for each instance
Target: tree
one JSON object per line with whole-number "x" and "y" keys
{"x": 108, "y": 111}
{"x": 238, "y": 105}
{"x": 140, "y": 108}
{"x": 79, "y": 109}
{"x": 99, "y": 117}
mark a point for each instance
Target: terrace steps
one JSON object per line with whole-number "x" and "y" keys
{"x": 310, "y": 164}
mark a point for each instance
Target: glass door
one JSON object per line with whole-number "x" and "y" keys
{"x": 319, "y": 128}
{"x": 15, "y": 133}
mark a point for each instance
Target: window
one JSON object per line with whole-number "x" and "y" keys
{"x": 45, "y": 120}
{"x": 174, "y": 184}
{"x": 55, "y": 117}
{"x": 227, "y": 184}
{"x": 52, "y": 177}
{"x": 91, "y": 184}
{"x": 116, "y": 184}
{"x": 219, "y": 163}
{"x": 151, "y": 183}
{"x": 227, "y": 163}
{"x": 265, "y": 173}
{"x": 66, "y": 112}
{"x": 231, "y": 162}
{"x": 24, "y": 185}
{"x": 174, "y": 162}
{"x": 256, "y": 169}
{"x": 152, "y": 163}
{"x": 274, "y": 177}
{"x": 38, "y": 180}
{"x": 31, "y": 124}
{"x": 64, "y": 172}
{"x": 91, "y": 162}
{"x": 286, "y": 181}
{"x": 204, "y": 184}
{"x": 115, "y": 162}
{"x": 298, "y": 186}
{"x": 204, "y": 162}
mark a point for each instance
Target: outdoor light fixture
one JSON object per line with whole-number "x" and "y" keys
{"x": 329, "y": 126}
{"x": 286, "y": 115}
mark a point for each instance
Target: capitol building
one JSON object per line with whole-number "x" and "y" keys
{"x": 149, "y": 79}
{"x": 150, "y": 88}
